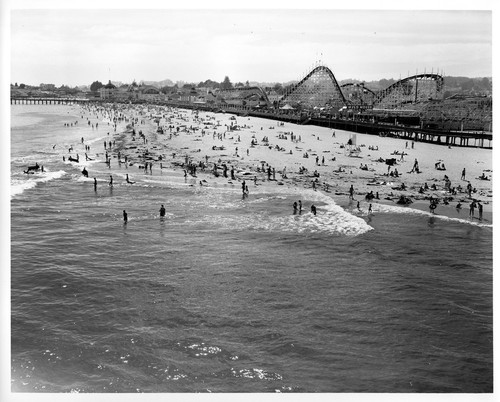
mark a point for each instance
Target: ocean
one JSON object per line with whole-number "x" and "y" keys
{"x": 230, "y": 294}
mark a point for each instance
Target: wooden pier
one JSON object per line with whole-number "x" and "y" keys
{"x": 440, "y": 137}
{"x": 46, "y": 101}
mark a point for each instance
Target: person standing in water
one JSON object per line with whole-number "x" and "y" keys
{"x": 111, "y": 180}
{"x": 432, "y": 205}
{"x": 95, "y": 184}
{"x": 125, "y": 217}
{"x": 472, "y": 207}
{"x": 162, "y": 211}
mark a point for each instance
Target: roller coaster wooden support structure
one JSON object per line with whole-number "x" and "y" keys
{"x": 414, "y": 89}
{"x": 357, "y": 96}
{"x": 242, "y": 93}
{"x": 316, "y": 89}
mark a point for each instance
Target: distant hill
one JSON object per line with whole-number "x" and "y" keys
{"x": 158, "y": 84}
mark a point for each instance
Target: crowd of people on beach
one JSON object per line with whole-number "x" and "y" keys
{"x": 143, "y": 154}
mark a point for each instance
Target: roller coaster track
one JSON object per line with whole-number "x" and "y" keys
{"x": 357, "y": 95}
{"x": 245, "y": 92}
{"x": 317, "y": 88}
{"x": 407, "y": 90}
{"x": 352, "y": 84}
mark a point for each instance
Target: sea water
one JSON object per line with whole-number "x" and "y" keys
{"x": 226, "y": 294}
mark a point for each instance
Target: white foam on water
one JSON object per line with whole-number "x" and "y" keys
{"x": 267, "y": 199}
{"x": 94, "y": 140}
{"x": 18, "y": 187}
{"x": 167, "y": 181}
{"x": 82, "y": 162}
{"x": 325, "y": 221}
{"x": 82, "y": 178}
{"x": 131, "y": 217}
{"x": 395, "y": 209}
{"x": 330, "y": 217}
{"x": 20, "y": 159}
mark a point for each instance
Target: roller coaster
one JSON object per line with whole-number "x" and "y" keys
{"x": 319, "y": 89}
{"x": 243, "y": 96}
{"x": 418, "y": 98}
{"x": 358, "y": 96}
{"x": 411, "y": 90}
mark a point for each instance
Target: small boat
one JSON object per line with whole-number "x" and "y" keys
{"x": 35, "y": 168}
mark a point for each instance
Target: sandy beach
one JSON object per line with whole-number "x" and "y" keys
{"x": 269, "y": 153}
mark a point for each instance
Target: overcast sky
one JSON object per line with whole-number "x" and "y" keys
{"x": 77, "y": 47}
